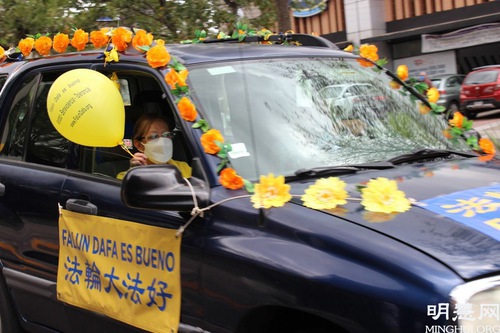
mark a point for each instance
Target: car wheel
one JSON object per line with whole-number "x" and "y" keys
{"x": 453, "y": 107}
{"x": 470, "y": 114}
{"x": 8, "y": 320}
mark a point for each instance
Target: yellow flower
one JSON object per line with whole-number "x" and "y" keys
{"x": 326, "y": 193}
{"x": 350, "y": 48}
{"x": 2, "y": 53}
{"x": 381, "y": 195}
{"x": 271, "y": 192}
{"x": 111, "y": 55}
{"x": 432, "y": 95}
{"x": 402, "y": 72}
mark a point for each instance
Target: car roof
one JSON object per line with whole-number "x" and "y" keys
{"x": 442, "y": 76}
{"x": 189, "y": 54}
{"x": 486, "y": 67}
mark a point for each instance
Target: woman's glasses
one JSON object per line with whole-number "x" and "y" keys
{"x": 155, "y": 136}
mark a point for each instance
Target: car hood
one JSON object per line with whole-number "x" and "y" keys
{"x": 456, "y": 219}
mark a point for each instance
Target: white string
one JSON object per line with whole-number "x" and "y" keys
{"x": 197, "y": 211}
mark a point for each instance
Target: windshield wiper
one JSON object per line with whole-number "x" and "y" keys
{"x": 424, "y": 154}
{"x": 340, "y": 170}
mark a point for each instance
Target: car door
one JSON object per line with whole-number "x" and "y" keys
{"x": 40, "y": 171}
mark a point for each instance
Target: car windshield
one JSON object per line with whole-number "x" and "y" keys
{"x": 481, "y": 77}
{"x": 278, "y": 118}
{"x": 436, "y": 82}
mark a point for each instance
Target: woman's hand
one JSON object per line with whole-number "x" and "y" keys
{"x": 138, "y": 159}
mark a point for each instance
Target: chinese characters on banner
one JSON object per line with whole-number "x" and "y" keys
{"x": 125, "y": 270}
{"x": 477, "y": 208}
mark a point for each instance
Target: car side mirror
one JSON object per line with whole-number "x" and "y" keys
{"x": 162, "y": 187}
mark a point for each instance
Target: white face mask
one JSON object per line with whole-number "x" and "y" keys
{"x": 159, "y": 151}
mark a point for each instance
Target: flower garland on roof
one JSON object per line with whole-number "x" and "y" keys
{"x": 378, "y": 196}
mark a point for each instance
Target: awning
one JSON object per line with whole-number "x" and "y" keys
{"x": 435, "y": 28}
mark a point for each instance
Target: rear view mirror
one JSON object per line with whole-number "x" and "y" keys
{"x": 162, "y": 187}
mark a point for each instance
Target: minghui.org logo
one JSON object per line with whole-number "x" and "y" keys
{"x": 482, "y": 318}
{"x": 462, "y": 329}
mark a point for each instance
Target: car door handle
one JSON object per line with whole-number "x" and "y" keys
{"x": 2, "y": 189}
{"x": 81, "y": 206}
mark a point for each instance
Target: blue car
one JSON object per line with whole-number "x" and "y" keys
{"x": 89, "y": 244}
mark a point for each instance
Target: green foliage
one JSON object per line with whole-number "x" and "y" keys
{"x": 172, "y": 21}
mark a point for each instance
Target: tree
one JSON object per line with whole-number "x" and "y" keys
{"x": 171, "y": 20}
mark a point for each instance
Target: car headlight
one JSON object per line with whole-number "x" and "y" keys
{"x": 475, "y": 306}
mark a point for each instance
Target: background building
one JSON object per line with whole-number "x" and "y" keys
{"x": 436, "y": 36}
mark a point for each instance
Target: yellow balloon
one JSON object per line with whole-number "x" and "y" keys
{"x": 86, "y": 108}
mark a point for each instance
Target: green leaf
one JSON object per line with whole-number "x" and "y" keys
{"x": 437, "y": 108}
{"x": 249, "y": 186}
{"x": 202, "y": 124}
{"x": 177, "y": 65}
{"x": 145, "y": 48}
{"x": 221, "y": 165}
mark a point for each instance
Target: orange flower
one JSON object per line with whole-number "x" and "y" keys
{"x": 457, "y": 120}
{"x": 120, "y": 37}
{"x": 61, "y": 42}
{"x": 486, "y": 158}
{"x": 447, "y": 134}
{"x": 80, "y": 39}
{"x": 158, "y": 56}
{"x": 99, "y": 38}
{"x": 2, "y": 53}
{"x": 43, "y": 45}
{"x": 424, "y": 109}
{"x": 365, "y": 63}
{"x": 433, "y": 95}
{"x": 487, "y": 146}
{"x": 394, "y": 85}
{"x": 368, "y": 51}
{"x": 141, "y": 38}
{"x": 230, "y": 179}
{"x": 402, "y": 72}
{"x": 176, "y": 79}
{"x": 208, "y": 140}
{"x": 187, "y": 109}
{"x": 26, "y": 45}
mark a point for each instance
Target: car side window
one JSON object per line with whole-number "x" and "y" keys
{"x": 14, "y": 135}
{"x": 29, "y": 132}
{"x": 45, "y": 146}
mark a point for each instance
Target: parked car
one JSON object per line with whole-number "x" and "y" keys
{"x": 480, "y": 90}
{"x": 242, "y": 268}
{"x": 448, "y": 86}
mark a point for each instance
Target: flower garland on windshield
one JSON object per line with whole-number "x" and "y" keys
{"x": 379, "y": 195}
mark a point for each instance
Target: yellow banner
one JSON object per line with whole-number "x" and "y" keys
{"x": 125, "y": 270}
